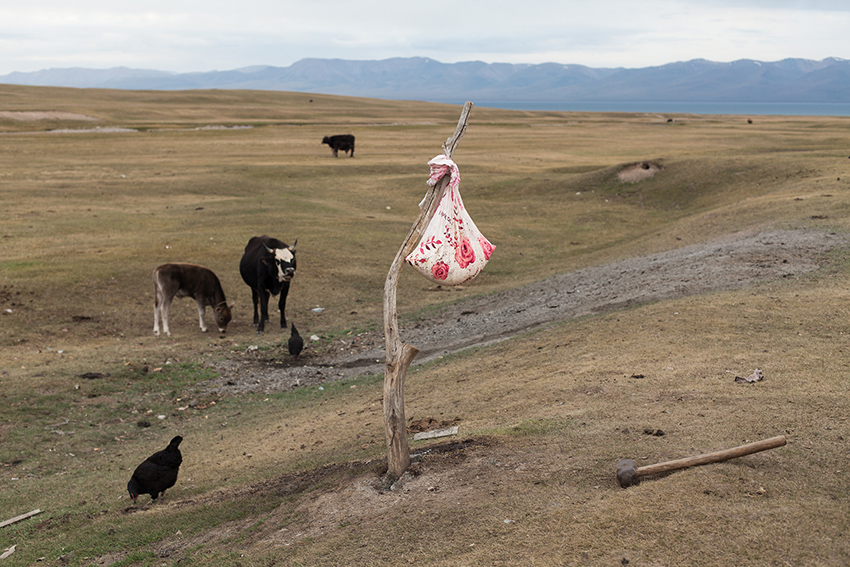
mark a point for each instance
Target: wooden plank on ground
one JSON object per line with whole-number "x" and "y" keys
{"x": 434, "y": 433}
{"x": 19, "y": 518}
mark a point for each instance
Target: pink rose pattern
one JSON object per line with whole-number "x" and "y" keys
{"x": 486, "y": 247}
{"x": 446, "y": 253}
{"x": 440, "y": 271}
{"x": 464, "y": 254}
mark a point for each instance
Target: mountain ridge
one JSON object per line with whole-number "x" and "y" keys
{"x": 423, "y": 78}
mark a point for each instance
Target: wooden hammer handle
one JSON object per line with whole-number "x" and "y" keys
{"x": 717, "y": 457}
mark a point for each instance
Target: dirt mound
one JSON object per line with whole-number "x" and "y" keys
{"x": 635, "y": 172}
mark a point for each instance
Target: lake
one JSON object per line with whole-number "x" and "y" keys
{"x": 743, "y": 108}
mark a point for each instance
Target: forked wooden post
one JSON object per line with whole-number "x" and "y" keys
{"x": 400, "y": 356}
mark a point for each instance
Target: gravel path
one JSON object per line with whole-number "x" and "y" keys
{"x": 732, "y": 262}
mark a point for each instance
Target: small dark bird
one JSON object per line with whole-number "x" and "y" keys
{"x": 157, "y": 473}
{"x": 296, "y": 343}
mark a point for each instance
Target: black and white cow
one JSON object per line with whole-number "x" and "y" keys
{"x": 344, "y": 142}
{"x": 188, "y": 280}
{"x": 267, "y": 267}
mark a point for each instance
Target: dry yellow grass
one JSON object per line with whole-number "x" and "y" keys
{"x": 87, "y": 216}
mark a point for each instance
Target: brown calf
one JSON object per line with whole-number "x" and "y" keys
{"x": 188, "y": 280}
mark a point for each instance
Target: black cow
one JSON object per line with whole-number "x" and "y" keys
{"x": 267, "y": 267}
{"x": 344, "y": 142}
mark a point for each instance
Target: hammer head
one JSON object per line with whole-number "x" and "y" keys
{"x": 627, "y": 473}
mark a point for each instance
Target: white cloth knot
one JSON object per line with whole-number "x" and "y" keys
{"x": 440, "y": 166}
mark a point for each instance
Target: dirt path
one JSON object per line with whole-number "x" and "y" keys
{"x": 733, "y": 262}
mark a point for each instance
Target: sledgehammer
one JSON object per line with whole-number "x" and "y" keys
{"x": 628, "y": 474}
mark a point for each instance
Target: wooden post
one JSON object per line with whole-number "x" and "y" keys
{"x": 400, "y": 356}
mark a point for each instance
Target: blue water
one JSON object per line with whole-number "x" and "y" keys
{"x": 743, "y": 108}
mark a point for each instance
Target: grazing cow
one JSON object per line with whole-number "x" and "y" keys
{"x": 188, "y": 280}
{"x": 344, "y": 142}
{"x": 267, "y": 267}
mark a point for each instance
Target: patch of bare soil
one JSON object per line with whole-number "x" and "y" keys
{"x": 733, "y": 262}
{"x": 635, "y": 172}
{"x": 440, "y": 475}
{"x": 27, "y": 116}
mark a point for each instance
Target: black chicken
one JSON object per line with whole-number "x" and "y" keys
{"x": 296, "y": 343}
{"x": 157, "y": 473}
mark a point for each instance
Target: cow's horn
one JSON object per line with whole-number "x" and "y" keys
{"x": 294, "y": 244}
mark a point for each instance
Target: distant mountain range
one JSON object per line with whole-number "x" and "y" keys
{"x": 419, "y": 78}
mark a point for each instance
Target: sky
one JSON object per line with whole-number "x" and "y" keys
{"x": 208, "y": 35}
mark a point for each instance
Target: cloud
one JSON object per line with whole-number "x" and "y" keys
{"x": 197, "y": 36}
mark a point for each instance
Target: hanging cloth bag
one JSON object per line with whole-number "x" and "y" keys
{"x": 452, "y": 250}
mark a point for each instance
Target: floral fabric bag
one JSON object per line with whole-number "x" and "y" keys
{"x": 452, "y": 250}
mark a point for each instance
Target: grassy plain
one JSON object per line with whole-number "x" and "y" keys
{"x": 136, "y": 179}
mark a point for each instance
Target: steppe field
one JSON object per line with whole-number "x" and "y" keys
{"x": 643, "y": 262}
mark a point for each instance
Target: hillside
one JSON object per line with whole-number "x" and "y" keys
{"x": 418, "y": 78}
{"x": 643, "y": 262}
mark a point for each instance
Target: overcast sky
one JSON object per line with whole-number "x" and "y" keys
{"x": 206, "y": 35}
